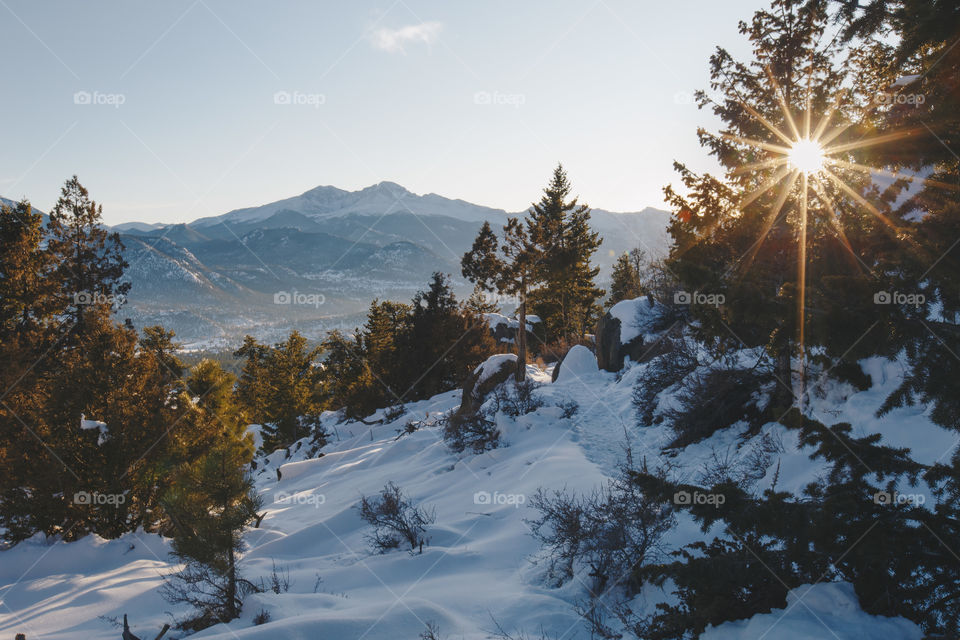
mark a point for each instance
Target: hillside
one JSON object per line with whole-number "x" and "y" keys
{"x": 481, "y": 567}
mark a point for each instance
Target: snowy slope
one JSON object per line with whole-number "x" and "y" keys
{"x": 480, "y": 563}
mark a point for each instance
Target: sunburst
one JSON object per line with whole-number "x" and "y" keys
{"x": 809, "y": 155}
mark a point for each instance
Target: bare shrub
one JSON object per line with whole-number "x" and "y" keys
{"x": 568, "y": 408}
{"x": 431, "y": 631}
{"x": 612, "y": 530}
{"x": 395, "y": 519}
{"x": 517, "y": 398}
{"x": 476, "y": 432}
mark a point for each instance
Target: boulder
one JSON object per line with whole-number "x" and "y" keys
{"x": 609, "y": 357}
{"x": 493, "y": 371}
{"x": 504, "y": 329}
{"x": 620, "y": 333}
{"x": 579, "y": 361}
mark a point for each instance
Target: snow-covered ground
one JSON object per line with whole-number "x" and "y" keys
{"x": 480, "y": 567}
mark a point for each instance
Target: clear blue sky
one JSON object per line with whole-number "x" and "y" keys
{"x": 169, "y": 111}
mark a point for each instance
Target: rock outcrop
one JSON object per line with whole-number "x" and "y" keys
{"x": 493, "y": 371}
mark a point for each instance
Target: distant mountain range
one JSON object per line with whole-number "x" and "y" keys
{"x": 315, "y": 261}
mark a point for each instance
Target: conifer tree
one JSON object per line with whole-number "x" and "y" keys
{"x": 89, "y": 261}
{"x": 507, "y": 268}
{"x": 739, "y": 237}
{"x": 559, "y": 230}
{"x": 444, "y": 343}
{"x": 210, "y": 503}
{"x": 627, "y": 282}
{"x": 280, "y": 388}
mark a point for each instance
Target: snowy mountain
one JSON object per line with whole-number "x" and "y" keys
{"x": 214, "y": 280}
{"x": 481, "y": 567}
{"x": 382, "y": 198}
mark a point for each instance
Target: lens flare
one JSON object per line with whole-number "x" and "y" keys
{"x": 807, "y": 156}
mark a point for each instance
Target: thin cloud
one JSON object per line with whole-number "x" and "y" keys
{"x": 393, "y": 40}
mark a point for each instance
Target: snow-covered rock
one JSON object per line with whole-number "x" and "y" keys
{"x": 90, "y": 425}
{"x": 815, "y": 612}
{"x": 579, "y": 362}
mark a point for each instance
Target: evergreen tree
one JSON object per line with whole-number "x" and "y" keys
{"x": 748, "y": 238}
{"x": 627, "y": 282}
{"x": 210, "y": 503}
{"x": 507, "y": 268}
{"x": 280, "y": 389}
{"x": 445, "y": 341}
{"x": 88, "y": 259}
{"x": 559, "y": 230}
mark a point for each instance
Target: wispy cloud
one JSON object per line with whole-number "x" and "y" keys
{"x": 393, "y": 40}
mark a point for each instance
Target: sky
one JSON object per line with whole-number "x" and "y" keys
{"x": 171, "y": 111}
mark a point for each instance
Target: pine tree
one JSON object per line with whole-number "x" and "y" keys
{"x": 507, "y": 268}
{"x": 744, "y": 238}
{"x": 280, "y": 388}
{"x": 559, "y": 230}
{"x": 89, "y": 260}
{"x": 444, "y": 343}
{"x": 210, "y": 503}
{"x": 627, "y": 282}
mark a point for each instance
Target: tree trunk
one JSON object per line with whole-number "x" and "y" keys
{"x": 522, "y": 333}
{"x": 783, "y": 391}
{"x": 231, "y": 586}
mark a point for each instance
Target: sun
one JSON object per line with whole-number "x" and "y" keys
{"x": 806, "y": 155}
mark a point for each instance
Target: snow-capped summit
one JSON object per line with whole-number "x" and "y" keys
{"x": 377, "y": 199}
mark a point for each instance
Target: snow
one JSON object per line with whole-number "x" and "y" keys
{"x": 635, "y": 316}
{"x": 492, "y": 364}
{"x": 577, "y": 364}
{"x": 481, "y": 559}
{"x": 494, "y": 320}
{"x": 904, "y": 81}
{"x": 815, "y": 612}
{"x": 88, "y": 425}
